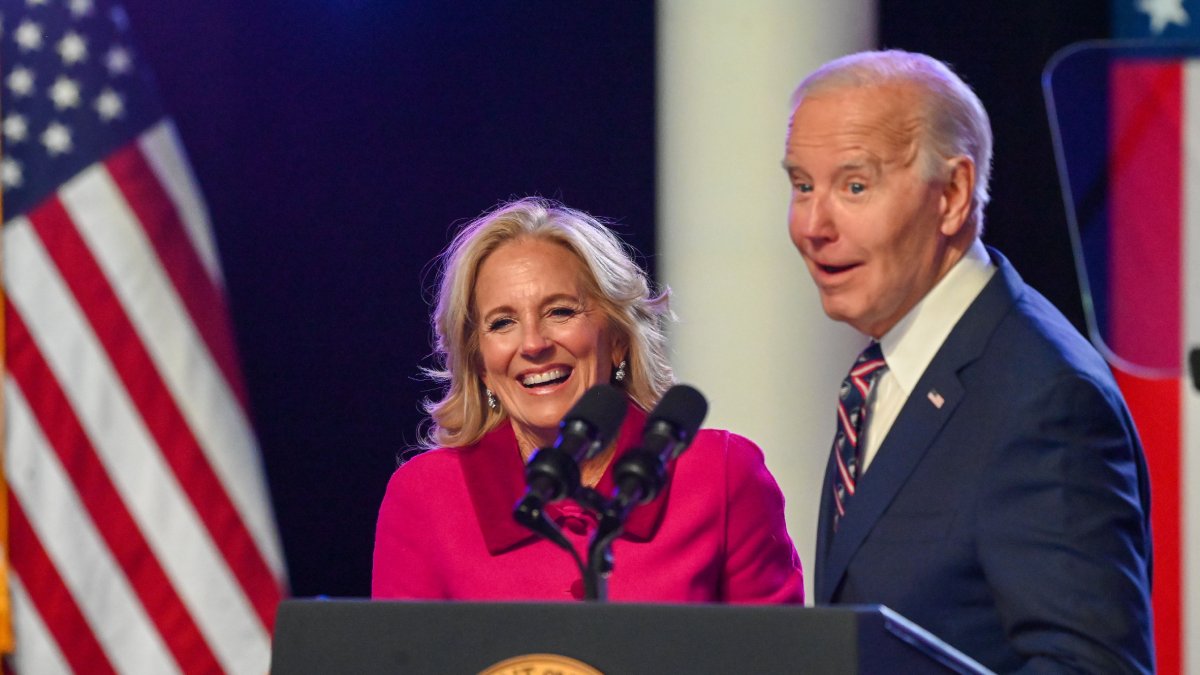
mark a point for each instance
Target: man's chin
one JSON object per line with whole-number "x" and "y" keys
{"x": 842, "y": 314}
{"x": 835, "y": 309}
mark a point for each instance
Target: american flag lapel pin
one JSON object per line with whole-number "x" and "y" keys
{"x": 936, "y": 399}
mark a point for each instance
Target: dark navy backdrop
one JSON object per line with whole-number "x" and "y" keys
{"x": 338, "y": 141}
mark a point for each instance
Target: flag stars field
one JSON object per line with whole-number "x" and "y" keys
{"x": 68, "y": 63}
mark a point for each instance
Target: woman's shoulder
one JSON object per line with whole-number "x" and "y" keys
{"x": 728, "y": 462}
{"x": 728, "y": 442}
{"x": 424, "y": 463}
{"x": 417, "y": 480}
{"x": 731, "y": 452}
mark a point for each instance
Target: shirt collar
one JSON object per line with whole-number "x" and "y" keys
{"x": 494, "y": 475}
{"x": 911, "y": 344}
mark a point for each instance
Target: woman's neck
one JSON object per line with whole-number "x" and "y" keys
{"x": 590, "y": 470}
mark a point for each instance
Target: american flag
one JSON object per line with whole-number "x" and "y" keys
{"x": 141, "y": 538}
{"x": 1128, "y": 126}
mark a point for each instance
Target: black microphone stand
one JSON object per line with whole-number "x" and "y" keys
{"x": 551, "y": 473}
{"x": 531, "y": 513}
{"x": 640, "y": 475}
{"x": 599, "y": 566}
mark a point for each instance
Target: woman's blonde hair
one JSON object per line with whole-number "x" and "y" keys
{"x": 614, "y": 281}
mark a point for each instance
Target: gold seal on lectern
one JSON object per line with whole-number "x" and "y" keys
{"x": 540, "y": 664}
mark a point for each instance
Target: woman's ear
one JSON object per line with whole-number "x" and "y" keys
{"x": 480, "y": 371}
{"x": 620, "y": 349}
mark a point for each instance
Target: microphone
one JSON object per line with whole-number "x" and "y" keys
{"x": 553, "y": 472}
{"x": 641, "y": 473}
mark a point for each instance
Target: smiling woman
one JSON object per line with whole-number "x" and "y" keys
{"x": 479, "y": 301}
{"x": 537, "y": 303}
{"x": 542, "y": 341}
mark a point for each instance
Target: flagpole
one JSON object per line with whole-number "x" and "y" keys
{"x": 6, "y": 634}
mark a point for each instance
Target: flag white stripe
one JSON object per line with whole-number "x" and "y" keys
{"x": 94, "y": 578}
{"x": 162, "y": 149}
{"x": 38, "y": 652}
{"x": 1190, "y": 398}
{"x": 123, "y": 444}
{"x": 127, "y": 257}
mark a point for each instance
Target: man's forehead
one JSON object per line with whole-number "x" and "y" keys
{"x": 866, "y": 122}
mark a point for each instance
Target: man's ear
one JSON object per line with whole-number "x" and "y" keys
{"x": 958, "y": 193}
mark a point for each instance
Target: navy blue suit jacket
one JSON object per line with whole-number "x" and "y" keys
{"x": 1013, "y": 520}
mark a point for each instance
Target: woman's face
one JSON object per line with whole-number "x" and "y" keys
{"x": 542, "y": 341}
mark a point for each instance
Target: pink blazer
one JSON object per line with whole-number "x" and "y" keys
{"x": 716, "y": 534}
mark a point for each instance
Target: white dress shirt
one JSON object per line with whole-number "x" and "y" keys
{"x": 913, "y": 342}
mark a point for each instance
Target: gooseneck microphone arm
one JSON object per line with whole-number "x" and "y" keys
{"x": 641, "y": 474}
{"x": 553, "y": 472}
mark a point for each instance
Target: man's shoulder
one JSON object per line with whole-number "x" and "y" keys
{"x": 1042, "y": 337}
{"x": 1024, "y": 331}
{"x": 1031, "y": 355}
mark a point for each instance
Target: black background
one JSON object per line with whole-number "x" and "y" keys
{"x": 338, "y": 141}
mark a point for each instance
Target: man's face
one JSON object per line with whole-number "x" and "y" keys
{"x": 864, "y": 216}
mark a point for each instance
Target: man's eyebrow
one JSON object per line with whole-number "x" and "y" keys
{"x": 867, "y": 161}
{"x": 858, "y": 163}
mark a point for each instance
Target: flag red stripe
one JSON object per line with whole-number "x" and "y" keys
{"x": 103, "y": 502}
{"x": 153, "y": 400}
{"x": 1145, "y": 323}
{"x": 1145, "y": 234}
{"x": 161, "y": 221}
{"x": 50, "y": 596}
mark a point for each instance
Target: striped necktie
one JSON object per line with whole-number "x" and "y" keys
{"x": 852, "y": 418}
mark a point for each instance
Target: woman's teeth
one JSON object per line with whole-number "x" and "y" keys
{"x": 546, "y": 377}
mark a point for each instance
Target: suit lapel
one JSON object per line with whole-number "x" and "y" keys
{"x": 914, "y": 431}
{"x": 907, "y": 442}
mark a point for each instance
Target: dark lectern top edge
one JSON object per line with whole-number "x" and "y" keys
{"x": 929, "y": 643}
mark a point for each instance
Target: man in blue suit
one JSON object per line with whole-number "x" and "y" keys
{"x": 986, "y": 479}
